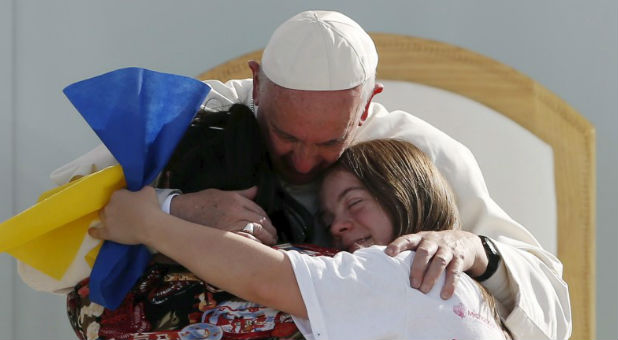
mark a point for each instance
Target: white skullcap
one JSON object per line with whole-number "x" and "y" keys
{"x": 319, "y": 51}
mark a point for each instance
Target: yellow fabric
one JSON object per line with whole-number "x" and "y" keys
{"x": 48, "y": 235}
{"x": 92, "y": 254}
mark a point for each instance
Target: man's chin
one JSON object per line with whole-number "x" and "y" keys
{"x": 290, "y": 176}
{"x": 299, "y": 179}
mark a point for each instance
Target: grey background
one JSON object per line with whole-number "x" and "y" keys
{"x": 570, "y": 47}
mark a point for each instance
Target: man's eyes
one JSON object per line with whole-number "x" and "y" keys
{"x": 354, "y": 202}
{"x": 332, "y": 143}
{"x": 287, "y": 138}
{"x": 292, "y": 139}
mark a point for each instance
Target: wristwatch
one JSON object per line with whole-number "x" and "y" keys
{"x": 493, "y": 256}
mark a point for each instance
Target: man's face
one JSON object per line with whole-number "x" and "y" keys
{"x": 306, "y": 131}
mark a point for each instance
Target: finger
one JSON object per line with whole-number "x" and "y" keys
{"x": 250, "y": 193}
{"x": 453, "y": 273}
{"x": 264, "y": 235}
{"x": 248, "y": 204}
{"x": 247, "y": 235}
{"x": 98, "y": 233}
{"x": 269, "y": 228}
{"x": 402, "y": 243}
{"x": 259, "y": 218}
{"x": 148, "y": 194}
{"x": 424, "y": 253}
{"x": 438, "y": 264}
{"x": 166, "y": 179}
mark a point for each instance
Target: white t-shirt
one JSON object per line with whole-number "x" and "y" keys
{"x": 367, "y": 295}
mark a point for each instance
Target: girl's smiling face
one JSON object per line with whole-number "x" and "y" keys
{"x": 354, "y": 217}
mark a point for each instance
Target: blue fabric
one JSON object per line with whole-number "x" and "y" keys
{"x": 140, "y": 115}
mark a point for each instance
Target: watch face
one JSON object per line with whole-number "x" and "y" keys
{"x": 493, "y": 257}
{"x": 490, "y": 247}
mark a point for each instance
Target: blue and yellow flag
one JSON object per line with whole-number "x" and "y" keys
{"x": 140, "y": 115}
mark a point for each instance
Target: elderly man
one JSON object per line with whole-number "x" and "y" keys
{"x": 312, "y": 95}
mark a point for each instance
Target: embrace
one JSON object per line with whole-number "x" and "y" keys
{"x": 426, "y": 252}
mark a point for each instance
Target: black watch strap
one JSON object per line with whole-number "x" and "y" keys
{"x": 493, "y": 256}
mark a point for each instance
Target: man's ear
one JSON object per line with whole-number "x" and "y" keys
{"x": 377, "y": 89}
{"x": 255, "y": 70}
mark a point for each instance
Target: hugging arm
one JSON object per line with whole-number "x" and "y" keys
{"x": 243, "y": 267}
{"x": 225, "y": 210}
{"x": 450, "y": 251}
{"x": 528, "y": 282}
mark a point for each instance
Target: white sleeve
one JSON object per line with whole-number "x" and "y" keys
{"x": 224, "y": 95}
{"x": 165, "y": 196}
{"x": 542, "y": 308}
{"x": 345, "y": 295}
{"x": 538, "y": 295}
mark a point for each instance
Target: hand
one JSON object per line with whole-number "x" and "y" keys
{"x": 453, "y": 251}
{"x": 249, "y": 236}
{"x": 125, "y": 218}
{"x": 225, "y": 210}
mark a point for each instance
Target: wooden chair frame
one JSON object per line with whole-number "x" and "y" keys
{"x": 530, "y": 105}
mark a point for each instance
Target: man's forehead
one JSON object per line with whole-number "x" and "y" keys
{"x": 322, "y": 115}
{"x": 317, "y": 129}
{"x": 339, "y": 104}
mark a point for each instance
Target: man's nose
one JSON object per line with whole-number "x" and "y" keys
{"x": 305, "y": 158}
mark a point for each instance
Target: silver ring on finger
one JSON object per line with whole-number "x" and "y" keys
{"x": 248, "y": 228}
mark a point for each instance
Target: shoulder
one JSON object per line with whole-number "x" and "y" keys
{"x": 399, "y": 124}
{"x": 377, "y": 256}
{"x": 223, "y": 95}
{"x": 369, "y": 264}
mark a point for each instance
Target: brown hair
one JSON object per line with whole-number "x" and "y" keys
{"x": 411, "y": 190}
{"x": 405, "y": 183}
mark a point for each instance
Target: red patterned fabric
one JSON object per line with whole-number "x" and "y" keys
{"x": 169, "y": 302}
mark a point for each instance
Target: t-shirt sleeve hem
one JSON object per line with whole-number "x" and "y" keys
{"x": 314, "y": 326}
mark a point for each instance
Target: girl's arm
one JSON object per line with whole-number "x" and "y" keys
{"x": 241, "y": 266}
